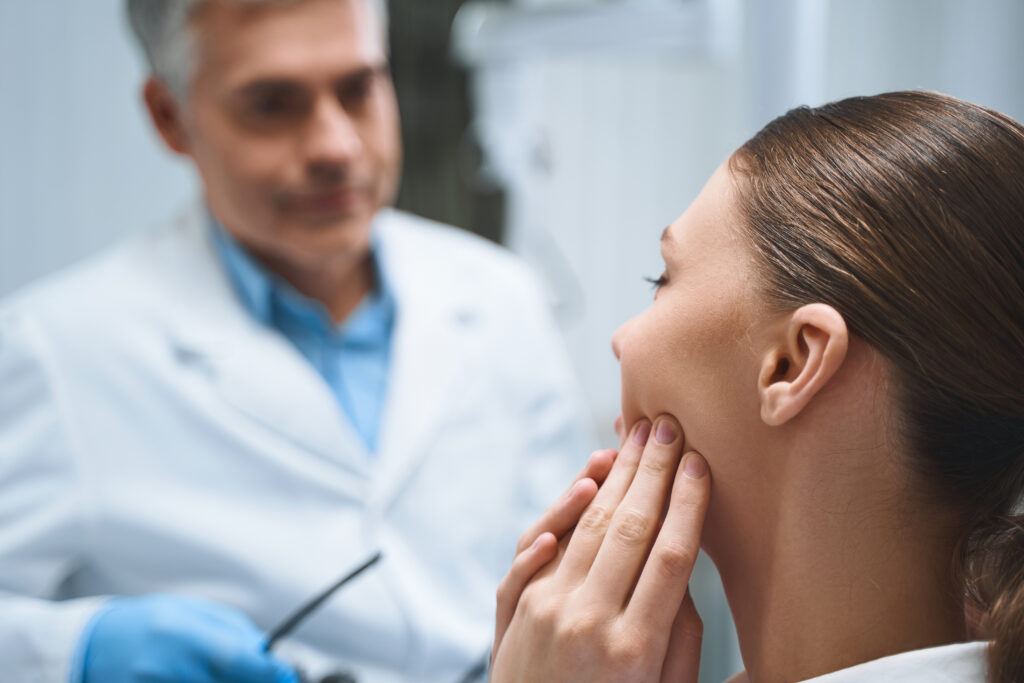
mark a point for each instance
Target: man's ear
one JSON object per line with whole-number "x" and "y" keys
{"x": 800, "y": 362}
{"x": 166, "y": 113}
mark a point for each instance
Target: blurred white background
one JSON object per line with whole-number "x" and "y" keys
{"x": 600, "y": 119}
{"x": 79, "y": 166}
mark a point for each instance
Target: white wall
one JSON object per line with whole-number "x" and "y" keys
{"x": 79, "y": 166}
{"x": 967, "y": 48}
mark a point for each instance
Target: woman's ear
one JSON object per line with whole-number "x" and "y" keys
{"x": 165, "y": 111}
{"x": 800, "y": 362}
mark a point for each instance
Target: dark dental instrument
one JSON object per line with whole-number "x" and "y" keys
{"x": 297, "y": 617}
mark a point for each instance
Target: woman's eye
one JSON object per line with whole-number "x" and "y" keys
{"x": 658, "y": 282}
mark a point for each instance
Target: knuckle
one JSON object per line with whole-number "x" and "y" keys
{"x": 504, "y": 593}
{"x": 658, "y": 463}
{"x": 233, "y": 660}
{"x": 628, "y": 652}
{"x": 693, "y": 627}
{"x": 594, "y": 520}
{"x": 674, "y": 560}
{"x": 525, "y": 541}
{"x": 578, "y": 629}
{"x": 689, "y": 504}
{"x": 633, "y": 527}
{"x": 543, "y": 614}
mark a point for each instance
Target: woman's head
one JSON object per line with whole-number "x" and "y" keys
{"x": 899, "y": 219}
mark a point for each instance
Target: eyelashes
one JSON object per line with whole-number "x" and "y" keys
{"x": 658, "y": 282}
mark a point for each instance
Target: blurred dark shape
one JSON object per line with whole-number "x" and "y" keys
{"x": 441, "y": 157}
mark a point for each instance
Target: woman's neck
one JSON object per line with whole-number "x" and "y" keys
{"x": 838, "y": 578}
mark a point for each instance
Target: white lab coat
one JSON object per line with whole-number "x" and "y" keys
{"x": 155, "y": 438}
{"x": 956, "y": 663}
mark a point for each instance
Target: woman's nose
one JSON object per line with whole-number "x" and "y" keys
{"x": 619, "y": 337}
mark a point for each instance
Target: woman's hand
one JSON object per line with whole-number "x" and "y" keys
{"x": 614, "y": 606}
{"x": 538, "y": 544}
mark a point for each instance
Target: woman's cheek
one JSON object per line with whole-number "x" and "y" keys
{"x": 646, "y": 390}
{"x": 634, "y": 383}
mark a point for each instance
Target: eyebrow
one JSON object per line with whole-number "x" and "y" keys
{"x": 262, "y": 86}
{"x": 268, "y": 85}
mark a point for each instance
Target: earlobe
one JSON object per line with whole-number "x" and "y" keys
{"x": 165, "y": 112}
{"x": 809, "y": 350}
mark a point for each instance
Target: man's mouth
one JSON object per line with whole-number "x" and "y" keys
{"x": 340, "y": 200}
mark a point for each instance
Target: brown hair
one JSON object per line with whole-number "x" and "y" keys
{"x": 905, "y": 212}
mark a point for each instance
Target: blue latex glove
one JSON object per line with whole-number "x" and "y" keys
{"x": 172, "y": 639}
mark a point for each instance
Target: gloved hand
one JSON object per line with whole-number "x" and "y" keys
{"x": 173, "y": 639}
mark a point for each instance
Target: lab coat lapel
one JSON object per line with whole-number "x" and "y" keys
{"x": 266, "y": 379}
{"x": 255, "y": 370}
{"x": 438, "y": 324}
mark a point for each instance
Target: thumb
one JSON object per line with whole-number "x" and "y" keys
{"x": 261, "y": 667}
{"x": 283, "y": 671}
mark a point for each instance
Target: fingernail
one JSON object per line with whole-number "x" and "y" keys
{"x": 574, "y": 488}
{"x": 535, "y": 544}
{"x": 666, "y": 432}
{"x": 695, "y": 467}
{"x": 642, "y": 433}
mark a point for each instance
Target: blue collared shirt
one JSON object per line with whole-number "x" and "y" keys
{"x": 353, "y": 357}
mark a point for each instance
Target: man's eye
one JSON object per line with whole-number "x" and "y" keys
{"x": 356, "y": 91}
{"x": 658, "y": 282}
{"x": 273, "y": 105}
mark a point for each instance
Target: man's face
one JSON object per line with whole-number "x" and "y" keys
{"x": 293, "y": 126}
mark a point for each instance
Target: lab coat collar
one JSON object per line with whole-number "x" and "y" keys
{"x": 255, "y": 369}
{"x": 956, "y": 663}
{"x": 438, "y": 332}
{"x": 269, "y": 298}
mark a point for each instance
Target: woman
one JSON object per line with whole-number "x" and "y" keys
{"x": 840, "y": 331}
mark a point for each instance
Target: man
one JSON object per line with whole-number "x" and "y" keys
{"x": 206, "y": 426}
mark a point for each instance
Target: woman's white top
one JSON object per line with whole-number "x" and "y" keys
{"x": 959, "y": 663}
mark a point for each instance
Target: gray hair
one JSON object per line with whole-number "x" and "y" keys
{"x": 161, "y": 27}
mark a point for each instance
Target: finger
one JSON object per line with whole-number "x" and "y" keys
{"x": 593, "y": 524}
{"x": 245, "y": 661}
{"x": 524, "y": 567}
{"x": 682, "y": 663}
{"x": 662, "y": 584}
{"x": 563, "y": 514}
{"x": 634, "y": 524}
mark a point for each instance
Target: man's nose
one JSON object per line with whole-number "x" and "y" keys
{"x": 333, "y": 137}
